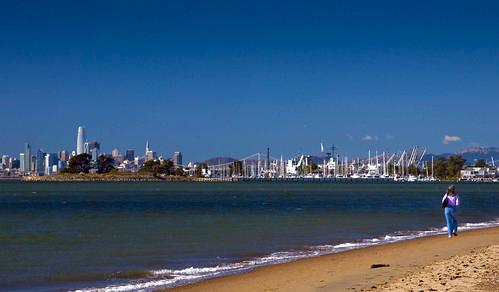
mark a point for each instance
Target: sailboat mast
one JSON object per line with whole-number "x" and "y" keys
{"x": 377, "y": 162}
{"x": 432, "y": 168}
{"x": 384, "y": 164}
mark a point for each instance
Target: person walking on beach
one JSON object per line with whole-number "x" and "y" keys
{"x": 450, "y": 201}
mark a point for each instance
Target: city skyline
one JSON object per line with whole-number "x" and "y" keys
{"x": 92, "y": 147}
{"x": 282, "y": 76}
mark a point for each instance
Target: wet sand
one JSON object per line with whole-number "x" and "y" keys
{"x": 468, "y": 262}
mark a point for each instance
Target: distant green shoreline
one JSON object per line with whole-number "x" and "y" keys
{"x": 114, "y": 177}
{"x": 148, "y": 177}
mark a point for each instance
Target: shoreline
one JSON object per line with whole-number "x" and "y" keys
{"x": 151, "y": 177}
{"x": 351, "y": 270}
{"x": 146, "y": 177}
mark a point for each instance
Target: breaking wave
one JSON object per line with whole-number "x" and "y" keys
{"x": 167, "y": 278}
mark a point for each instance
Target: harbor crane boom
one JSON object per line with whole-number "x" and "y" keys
{"x": 421, "y": 158}
{"x": 400, "y": 159}
{"x": 390, "y": 159}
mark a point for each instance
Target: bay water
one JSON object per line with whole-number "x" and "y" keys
{"x": 152, "y": 235}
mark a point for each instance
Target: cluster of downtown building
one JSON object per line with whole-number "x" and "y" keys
{"x": 45, "y": 163}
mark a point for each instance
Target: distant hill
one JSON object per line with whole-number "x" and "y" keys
{"x": 482, "y": 150}
{"x": 471, "y": 154}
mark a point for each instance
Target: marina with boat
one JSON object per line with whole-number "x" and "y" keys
{"x": 411, "y": 165}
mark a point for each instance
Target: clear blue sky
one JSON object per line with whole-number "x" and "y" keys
{"x": 216, "y": 78}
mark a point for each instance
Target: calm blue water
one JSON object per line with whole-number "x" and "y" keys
{"x": 126, "y": 236}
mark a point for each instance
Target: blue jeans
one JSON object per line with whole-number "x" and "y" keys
{"x": 450, "y": 217}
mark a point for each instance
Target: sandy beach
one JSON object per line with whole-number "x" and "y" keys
{"x": 468, "y": 262}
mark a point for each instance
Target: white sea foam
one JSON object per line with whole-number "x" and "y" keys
{"x": 166, "y": 278}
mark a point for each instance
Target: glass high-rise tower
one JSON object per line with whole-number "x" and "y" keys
{"x": 27, "y": 158}
{"x": 80, "y": 142}
{"x": 39, "y": 162}
{"x": 177, "y": 159}
{"x": 22, "y": 161}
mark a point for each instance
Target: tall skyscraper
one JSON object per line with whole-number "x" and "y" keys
{"x": 32, "y": 167}
{"x": 40, "y": 161}
{"x": 16, "y": 164}
{"x": 92, "y": 148}
{"x": 63, "y": 155}
{"x": 27, "y": 158}
{"x": 51, "y": 160}
{"x": 5, "y": 161}
{"x": 47, "y": 164}
{"x": 94, "y": 153}
{"x": 130, "y": 154}
{"x": 150, "y": 155}
{"x": 177, "y": 159}
{"x": 80, "y": 142}
{"x": 22, "y": 161}
{"x": 86, "y": 148}
{"x": 93, "y": 145}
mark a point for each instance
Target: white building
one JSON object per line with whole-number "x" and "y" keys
{"x": 293, "y": 165}
{"x": 80, "y": 142}
{"x": 472, "y": 172}
{"x": 22, "y": 163}
{"x": 51, "y": 163}
{"x": 48, "y": 169}
{"x": 5, "y": 161}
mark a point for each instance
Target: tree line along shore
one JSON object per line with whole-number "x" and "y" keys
{"x": 114, "y": 177}
{"x": 151, "y": 177}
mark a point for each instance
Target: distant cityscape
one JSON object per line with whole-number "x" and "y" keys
{"x": 413, "y": 164}
{"x": 44, "y": 163}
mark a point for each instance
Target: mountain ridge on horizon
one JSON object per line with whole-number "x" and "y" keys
{"x": 471, "y": 154}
